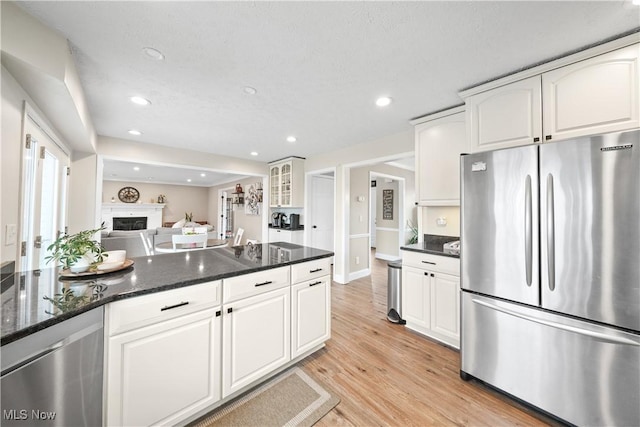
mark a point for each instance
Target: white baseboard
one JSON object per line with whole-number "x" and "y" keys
{"x": 388, "y": 257}
{"x": 359, "y": 274}
{"x": 339, "y": 278}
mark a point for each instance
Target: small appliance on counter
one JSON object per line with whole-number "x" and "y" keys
{"x": 278, "y": 219}
{"x": 294, "y": 221}
{"x": 452, "y": 247}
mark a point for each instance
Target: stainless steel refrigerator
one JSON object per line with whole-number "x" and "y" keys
{"x": 551, "y": 276}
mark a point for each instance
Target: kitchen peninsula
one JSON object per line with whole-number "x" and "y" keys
{"x": 180, "y": 333}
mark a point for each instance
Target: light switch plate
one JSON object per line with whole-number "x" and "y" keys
{"x": 10, "y": 233}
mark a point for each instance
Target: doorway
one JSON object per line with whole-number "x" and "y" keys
{"x": 45, "y": 183}
{"x": 387, "y": 215}
{"x": 319, "y": 227}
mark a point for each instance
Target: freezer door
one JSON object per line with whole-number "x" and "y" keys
{"x": 499, "y": 231}
{"x": 590, "y": 228}
{"x": 584, "y": 373}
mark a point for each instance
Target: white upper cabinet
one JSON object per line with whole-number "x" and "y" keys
{"x": 286, "y": 183}
{"x": 588, "y": 93}
{"x": 507, "y": 116}
{"x": 593, "y": 96}
{"x": 439, "y": 143}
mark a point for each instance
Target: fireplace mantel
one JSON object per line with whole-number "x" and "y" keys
{"x": 153, "y": 212}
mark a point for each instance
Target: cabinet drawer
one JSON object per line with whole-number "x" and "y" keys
{"x": 430, "y": 262}
{"x": 141, "y": 311}
{"x": 310, "y": 270}
{"x": 248, "y": 285}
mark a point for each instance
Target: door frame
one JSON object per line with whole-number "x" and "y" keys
{"x": 25, "y": 229}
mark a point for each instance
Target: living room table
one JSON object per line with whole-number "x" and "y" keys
{"x": 166, "y": 247}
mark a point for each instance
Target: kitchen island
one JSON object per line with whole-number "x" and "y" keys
{"x": 184, "y": 332}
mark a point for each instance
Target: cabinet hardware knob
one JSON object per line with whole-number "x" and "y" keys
{"x": 264, "y": 283}
{"x": 169, "y": 307}
{"x": 548, "y": 137}
{"x": 315, "y": 271}
{"x": 433, "y": 275}
{"x": 229, "y": 310}
{"x": 426, "y": 274}
{"x": 218, "y": 313}
{"x": 315, "y": 283}
{"x": 536, "y": 139}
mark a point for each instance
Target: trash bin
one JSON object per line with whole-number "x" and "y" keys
{"x": 394, "y": 292}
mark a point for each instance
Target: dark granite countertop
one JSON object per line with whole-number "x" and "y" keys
{"x": 433, "y": 245}
{"x": 287, "y": 228}
{"x": 27, "y": 308}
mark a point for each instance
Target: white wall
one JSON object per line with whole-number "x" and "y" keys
{"x": 253, "y": 225}
{"x": 431, "y": 214}
{"x": 366, "y": 153}
{"x": 180, "y": 199}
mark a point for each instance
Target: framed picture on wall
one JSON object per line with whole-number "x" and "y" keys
{"x": 387, "y": 204}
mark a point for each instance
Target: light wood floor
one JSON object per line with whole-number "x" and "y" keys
{"x": 388, "y": 376}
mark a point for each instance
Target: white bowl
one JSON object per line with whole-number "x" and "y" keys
{"x": 109, "y": 257}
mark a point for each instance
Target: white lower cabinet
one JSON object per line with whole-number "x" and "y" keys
{"x": 163, "y": 372}
{"x": 310, "y": 314}
{"x": 430, "y": 297}
{"x": 288, "y": 236}
{"x": 172, "y": 356}
{"x": 256, "y": 338}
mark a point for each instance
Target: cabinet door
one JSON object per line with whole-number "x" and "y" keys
{"x": 274, "y": 186}
{"x": 416, "y": 297}
{"x": 163, "y": 373}
{"x": 445, "y": 308}
{"x": 276, "y": 235}
{"x": 439, "y": 144}
{"x": 310, "y": 314}
{"x": 506, "y": 116}
{"x": 285, "y": 184}
{"x": 256, "y": 338}
{"x": 593, "y": 96}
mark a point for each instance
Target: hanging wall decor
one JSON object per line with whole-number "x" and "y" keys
{"x": 387, "y": 204}
{"x": 252, "y": 201}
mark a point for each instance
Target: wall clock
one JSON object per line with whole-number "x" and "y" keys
{"x": 128, "y": 195}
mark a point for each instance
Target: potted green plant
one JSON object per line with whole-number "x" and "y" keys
{"x": 413, "y": 233}
{"x": 76, "y": 252}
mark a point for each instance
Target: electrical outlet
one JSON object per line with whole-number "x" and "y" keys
{"x": 357, "y": 260}
{"x": 441, "y": 222}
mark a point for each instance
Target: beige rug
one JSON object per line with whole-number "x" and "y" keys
{"x": 290, "y": 399}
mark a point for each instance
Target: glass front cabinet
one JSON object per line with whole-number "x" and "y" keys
{"x": 286, "y": 183}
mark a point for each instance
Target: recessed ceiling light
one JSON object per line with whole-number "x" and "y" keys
{"x": 153, "y": 53}
{"x": 291, "y": 139}
{"x": 136, "y": 168}
{"x": 250, "y": 90}
{"x": 203, "y": 175}
{"x": 383, "y": 101}
{"x": 140, "y": 100}
{"x": 189, "y": 180}
{"x": 135, "y": 132}
{"x": 254, "y": 153}
{"x": 150, "y": 178}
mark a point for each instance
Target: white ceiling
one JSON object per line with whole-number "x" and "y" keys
{"x": 317, "y": 66}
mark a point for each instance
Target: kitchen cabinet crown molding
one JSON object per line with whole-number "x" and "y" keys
{"x": 588, "y": 52}
{"x": 438, "y": 115}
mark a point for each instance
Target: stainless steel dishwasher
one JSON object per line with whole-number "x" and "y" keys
{"x": 54, "y": 376}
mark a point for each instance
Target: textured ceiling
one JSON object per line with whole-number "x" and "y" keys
{"x": 317, "y": 66}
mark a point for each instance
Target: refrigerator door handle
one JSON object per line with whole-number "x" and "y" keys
{"x": 528, "y": 229}
{"x": 594, "y": 334}
{"x": 551, "y": 247}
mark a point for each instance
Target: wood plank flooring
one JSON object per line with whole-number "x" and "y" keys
{"x": 387, "y": 375}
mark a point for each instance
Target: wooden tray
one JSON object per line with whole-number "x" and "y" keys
{"x": 66, "y": 273}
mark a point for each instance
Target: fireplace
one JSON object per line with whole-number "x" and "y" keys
{"x": 130, "y": 223}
